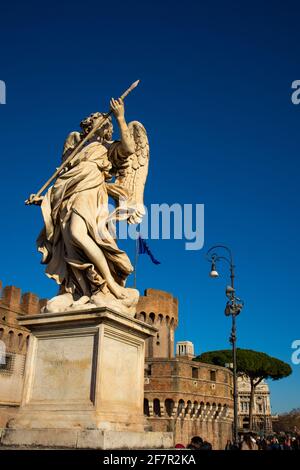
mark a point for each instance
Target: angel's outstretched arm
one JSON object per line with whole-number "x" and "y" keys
{"x": 127, "y": 143}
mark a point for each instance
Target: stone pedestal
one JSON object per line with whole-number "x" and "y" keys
{"x": 84, "y": 383}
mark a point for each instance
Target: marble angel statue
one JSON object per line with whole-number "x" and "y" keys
{"x": 77, "y": 246}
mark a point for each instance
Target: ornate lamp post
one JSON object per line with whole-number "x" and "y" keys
{"x": 233, "y": 308}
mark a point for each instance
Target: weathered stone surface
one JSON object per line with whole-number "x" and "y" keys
{"x": 40, "y": 438}
{"x": 87, "y": 439}
{"x": 125, "y": 440}
{"x": 84, "y": 371}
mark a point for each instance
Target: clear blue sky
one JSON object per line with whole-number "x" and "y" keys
{"x": 215, "y": 99}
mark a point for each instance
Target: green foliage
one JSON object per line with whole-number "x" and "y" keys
{"x": 254, "y": 364}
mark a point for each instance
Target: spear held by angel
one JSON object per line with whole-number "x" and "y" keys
{"x": 77, "y": 245}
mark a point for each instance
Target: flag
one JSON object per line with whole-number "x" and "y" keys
{"x": 144, "y": 248}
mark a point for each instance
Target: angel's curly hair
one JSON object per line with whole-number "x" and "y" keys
{"x": 88, "y": 123}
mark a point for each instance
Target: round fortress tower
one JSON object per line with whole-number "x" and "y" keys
{"x": 160, "y": 309}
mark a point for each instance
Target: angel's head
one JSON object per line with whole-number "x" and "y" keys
{"x": 104, "y": 133}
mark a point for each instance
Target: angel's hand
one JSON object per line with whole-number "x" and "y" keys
{"x": 34, "y": 199}
{"x": 117, "y": 107}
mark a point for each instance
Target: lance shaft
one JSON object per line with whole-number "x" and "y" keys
{"x": 103, "y": 120}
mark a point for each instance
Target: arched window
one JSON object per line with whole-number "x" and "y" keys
{"x": 152, "y": 317}
{"x": 1, "y": 333}
{"x": 156, "y": 407}
{"x": 27, "y": 341}
{"x": 10, "y": 339}
{"x": 169, "y": 405}
{"x": 188, "y": 406}
{"x": 141, "y": 316}
{"x": 201, "y": 408}
{"x": 20, "y": 340}
{"x": 180, "y": 407}
{"x": 194, "y": 409}
{"x": 146, "y": 407}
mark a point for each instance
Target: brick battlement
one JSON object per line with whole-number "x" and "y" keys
{"x": 158, "y": 302}
{"x": 160, "y": 309}
{"x": 13, "y": 300}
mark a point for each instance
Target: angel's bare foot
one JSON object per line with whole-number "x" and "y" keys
{"x": 118, "y": 291}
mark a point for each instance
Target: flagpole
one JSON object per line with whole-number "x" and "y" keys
{"x": 136, "y": 258}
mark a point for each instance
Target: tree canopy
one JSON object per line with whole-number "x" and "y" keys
{"x": 254, "y": 364}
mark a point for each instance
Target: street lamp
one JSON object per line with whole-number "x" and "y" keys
{"x": 233, "y": 308}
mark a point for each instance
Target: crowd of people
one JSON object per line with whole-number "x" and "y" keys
{"x": 281, "y": 441}
{"x": 250, "y": 441}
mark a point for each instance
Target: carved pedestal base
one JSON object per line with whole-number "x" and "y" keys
{"x": 84, "y": 382}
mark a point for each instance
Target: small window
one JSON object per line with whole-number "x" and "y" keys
{"x": 142, "y": 316}
{"x": 180, "y": 407}
{"x": 20, "y": 340}
{"x": 156, "y": 407}
{"x": 244, "y": 406}
{"x": 6, "y": 365}
{"x": 10, "y": 339}
{"x": 195, "y": 372}
{"x": 169, "y": 405}
{"x": 146, "y": 407}
{"x": 213, "y": 375}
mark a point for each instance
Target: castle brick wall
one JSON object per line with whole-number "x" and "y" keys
{"x": 159, "y": 309}
{"x": 14, "y": 341}
{"x": 189, "y": 398}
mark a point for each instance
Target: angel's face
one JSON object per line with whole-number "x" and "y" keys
{"x": 109, "y": 132}
{"x": 104, "y": 133}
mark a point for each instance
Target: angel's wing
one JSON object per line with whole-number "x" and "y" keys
{"x": 70, "y": 143}
{"x": 132, "y": 176}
